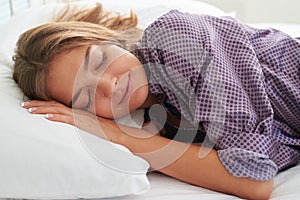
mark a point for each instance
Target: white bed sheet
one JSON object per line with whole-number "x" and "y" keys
{"x": 286, "y": 187}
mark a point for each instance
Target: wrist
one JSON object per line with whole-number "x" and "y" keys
{"x": 110, "y": 130}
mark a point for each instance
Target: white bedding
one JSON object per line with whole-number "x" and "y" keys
{"x": 287, "y": 183}
{"x": 286, "y": 187}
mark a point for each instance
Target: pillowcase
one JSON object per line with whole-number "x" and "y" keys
{"x": 41, "y": 159}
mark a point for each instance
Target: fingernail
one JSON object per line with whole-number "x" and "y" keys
{"x": 48, "y": 116}
{"x": 31, "y": 109}
{"x": 25, "y": 103}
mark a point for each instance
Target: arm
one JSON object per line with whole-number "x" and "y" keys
{"x": 207, "y": 172}
{"x": 176, "y": 159}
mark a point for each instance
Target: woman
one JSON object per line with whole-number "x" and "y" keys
{"x": 231, "y": 92}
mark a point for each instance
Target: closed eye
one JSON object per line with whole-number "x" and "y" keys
{"x": 89, "y": 93}
{"x": 103, "y": 60}
{"x": 83, "y": 99}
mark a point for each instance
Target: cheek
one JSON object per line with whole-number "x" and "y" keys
{"x": 102, "y": 107}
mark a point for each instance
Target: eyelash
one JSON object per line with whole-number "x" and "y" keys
{"x": 89, "y": 99}
{"x": 103, "y": 61}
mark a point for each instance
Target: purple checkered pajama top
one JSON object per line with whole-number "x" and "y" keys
{"x": 238, "y": 85}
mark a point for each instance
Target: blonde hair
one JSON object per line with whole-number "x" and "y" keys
{"x": 37, "y": 47}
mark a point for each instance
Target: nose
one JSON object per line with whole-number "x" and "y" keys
{"x": 106, "y": 86}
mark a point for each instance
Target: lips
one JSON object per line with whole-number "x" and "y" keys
{"x": 126, "y": 90}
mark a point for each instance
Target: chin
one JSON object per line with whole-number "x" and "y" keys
{"x": 135, "y": 102}
{"x": 138, "y": 98}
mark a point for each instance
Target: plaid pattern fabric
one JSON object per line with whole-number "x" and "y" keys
{"x": 240, "y": 84}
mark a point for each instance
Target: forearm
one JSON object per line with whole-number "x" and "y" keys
{"x": 182, "y": 161}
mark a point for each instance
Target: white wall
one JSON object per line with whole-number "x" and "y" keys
{"x": 259, "y": 11}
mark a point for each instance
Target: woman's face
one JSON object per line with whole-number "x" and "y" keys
{"x": 103, "y": 79}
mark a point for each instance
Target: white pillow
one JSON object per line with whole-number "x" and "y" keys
{"x": 47, "y": 160}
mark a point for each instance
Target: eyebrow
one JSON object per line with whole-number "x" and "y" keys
{"x": 87, "y": 58}
{"x": 86, "y": 62}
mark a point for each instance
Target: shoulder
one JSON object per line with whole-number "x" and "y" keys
{"x": 173, "y": 19}
{"x": 176, "y": 18}
{"x": 170, "y": 27}
{"x": 183, "y": 24}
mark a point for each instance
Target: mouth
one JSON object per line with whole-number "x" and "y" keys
{"x": 126, "y": 91}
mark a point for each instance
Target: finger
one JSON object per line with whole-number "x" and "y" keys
{"x": 60, "y": 118}
{"x": 38, "y": 103}
{"x": 50, "y": 109}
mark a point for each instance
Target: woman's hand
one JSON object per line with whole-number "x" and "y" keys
{"x": 52, "y": 110}
{"x": 55, "y": 111}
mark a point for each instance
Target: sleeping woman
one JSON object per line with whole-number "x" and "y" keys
{"x": 221, "y": 99}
